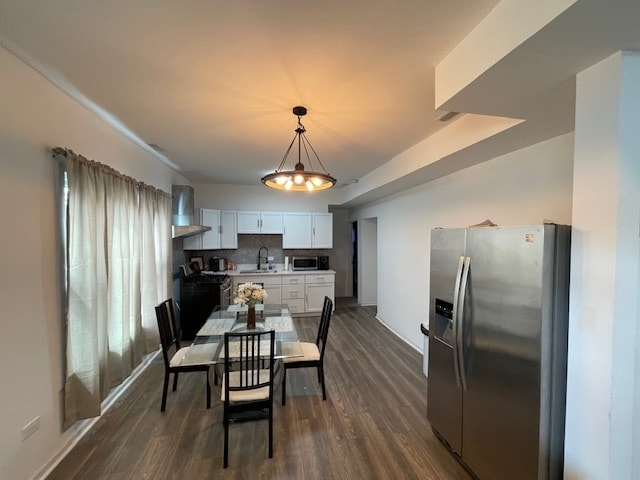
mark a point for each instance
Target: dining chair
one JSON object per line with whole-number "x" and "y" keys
{"x": 174, "y": 355}
{"x": 313, "y": 353}
{"x": 247, "y": 382}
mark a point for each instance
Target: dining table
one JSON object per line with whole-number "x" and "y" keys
{"x": 208, "y": 346}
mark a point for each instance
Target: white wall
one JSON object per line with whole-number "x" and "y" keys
{"x": 35, "y": 117}
{"x": 523, "y": 187}
{"x": 601, "y": 439}
{"x": 261, "y": 198}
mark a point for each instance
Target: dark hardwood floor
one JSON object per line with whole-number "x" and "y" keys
{"x": 372, "y": 425}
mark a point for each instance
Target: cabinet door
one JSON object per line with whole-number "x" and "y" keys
{"x": 207, "y": 240}
{"x": 315, "y": 294}
{"x": 297, "y": 230}
{"x": 193, "y": 242}
{"x": 271, "y": 222}
{"x": 274, "y": 294}
{"x": 228, "y": 230}
{"x": 210, "y": 218}
{"x": 295, "y": 305}
{"x": 290, "y": 292}
{"x": 248, "y": 222}
{"x": 322, "y": 230}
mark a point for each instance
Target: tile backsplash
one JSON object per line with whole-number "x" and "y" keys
{"x": 247, "y": 251}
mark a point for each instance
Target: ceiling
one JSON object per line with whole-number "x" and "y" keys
{"x": 210, "y": 84}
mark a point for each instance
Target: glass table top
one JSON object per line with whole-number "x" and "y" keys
{"x": 209, "y": 342}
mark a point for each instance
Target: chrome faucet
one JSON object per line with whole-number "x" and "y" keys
{"x": 266, "y": 257}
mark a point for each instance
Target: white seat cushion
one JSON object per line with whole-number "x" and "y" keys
{"x": 261, "y": 393}
{"x": 310, "y": 352}
{"x": 194, "y": 355}
{"x": 177, "y": 358}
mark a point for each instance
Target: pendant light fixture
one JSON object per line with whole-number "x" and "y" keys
{"x": 299, "y": 179}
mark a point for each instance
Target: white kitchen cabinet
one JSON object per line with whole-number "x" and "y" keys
{"x": 228, "y": 229}
{"x": 293, "y": 292}
{"x": 317, "y": 286}
{"x": 304, "y": 293}
{"x": 307, "y": 230}
{"x": 274, "y": 294}
{"x": 259, "y": 222}
{"x": 209, "y": 240}
{"x": 297, "y": 230}
{"x": 223, "y": 233}
{"x": 322, "y": 230}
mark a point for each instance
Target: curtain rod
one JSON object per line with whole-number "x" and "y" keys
{"x": 68, "y": 153}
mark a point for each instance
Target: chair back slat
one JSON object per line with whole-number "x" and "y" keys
{"x": 323, "y": 331}
{"x": 167, "y": 328}
{"x": 250, "y": 356}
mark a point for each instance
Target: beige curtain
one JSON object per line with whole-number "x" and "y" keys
{"x": 118, "y": 265}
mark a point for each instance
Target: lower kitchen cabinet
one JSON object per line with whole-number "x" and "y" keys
{"x": 274, "y": 294}
{"x": 303, "y": 293}
{"x": 316, "y": 288}
{"x": 293, "y": 292}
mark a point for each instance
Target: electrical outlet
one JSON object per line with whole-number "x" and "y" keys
{"x": 269, "y": 259}
{"x": 30, "y": 428}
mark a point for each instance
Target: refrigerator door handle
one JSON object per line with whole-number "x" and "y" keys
{"x": 454, "y": 318}
{"x": 460, "y": 331}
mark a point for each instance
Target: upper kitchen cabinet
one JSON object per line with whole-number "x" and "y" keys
{"x": 322, "y": 230}
{"x": 307, "y": 230}
{"x": 259, "y": 222}
{"x": 228, "y": 229}
{"x": 223, "y": 233}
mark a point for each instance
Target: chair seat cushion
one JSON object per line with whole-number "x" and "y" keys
{"x": 177, "y": 358}
{"x": 251, "y": 395}
{"x": 310, "y": 352}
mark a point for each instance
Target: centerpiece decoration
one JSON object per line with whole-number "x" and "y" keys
{"x": 249, "y": 294}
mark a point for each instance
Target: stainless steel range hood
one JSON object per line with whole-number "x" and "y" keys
{"x": 183, "y": 220}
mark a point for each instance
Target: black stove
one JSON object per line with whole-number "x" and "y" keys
{"x": 200, "y": 293}
{"x": 207, "y": 277}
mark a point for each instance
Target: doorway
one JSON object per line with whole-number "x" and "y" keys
{"x": 367, "y": 261}
{"x": 354, "y": 259}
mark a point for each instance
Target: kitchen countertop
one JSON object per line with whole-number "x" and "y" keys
{"x": 237, "y": 273}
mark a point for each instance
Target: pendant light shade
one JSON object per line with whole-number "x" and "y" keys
{"x": 299, "y": 179}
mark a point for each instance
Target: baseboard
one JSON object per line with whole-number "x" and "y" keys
{"x": 415, "y": 347}
{"x": 82, "y": 427}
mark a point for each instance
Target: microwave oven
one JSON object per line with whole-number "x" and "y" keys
{"x": 304, "y": 263}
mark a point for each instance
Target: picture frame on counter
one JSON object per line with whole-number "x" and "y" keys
{"x": 199, "y": 261}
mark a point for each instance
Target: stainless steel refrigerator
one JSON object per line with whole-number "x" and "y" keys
{"x": 498, "y": 346}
